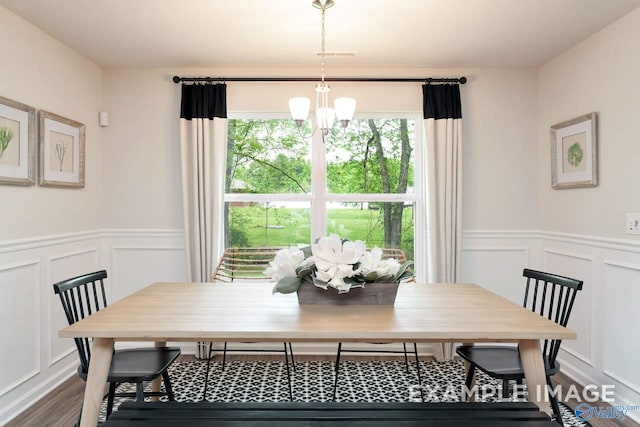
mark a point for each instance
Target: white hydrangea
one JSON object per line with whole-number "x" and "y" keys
{"x": 372, "y": 262}
{"x": 284, "y": 263}
{"x": 334, "y": 260}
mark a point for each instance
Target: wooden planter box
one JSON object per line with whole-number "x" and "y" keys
{"x": 371, "y": 294}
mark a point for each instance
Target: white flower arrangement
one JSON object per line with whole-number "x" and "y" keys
{"x": 334, "y": 262}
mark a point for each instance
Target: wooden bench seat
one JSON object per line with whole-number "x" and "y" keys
{"x": 165, "y": 414}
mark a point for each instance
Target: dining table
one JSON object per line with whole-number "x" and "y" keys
{"x": 422, "y": 312}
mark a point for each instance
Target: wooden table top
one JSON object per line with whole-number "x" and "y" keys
{"x": 241, "y": 312}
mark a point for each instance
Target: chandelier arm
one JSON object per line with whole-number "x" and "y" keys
{"x": 303, "y": 136}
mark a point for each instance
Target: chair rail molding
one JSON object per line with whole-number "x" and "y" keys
{"x": 36, "y": 242}
{"x": 626, "y": 245}
{"x": 142, "y": 232}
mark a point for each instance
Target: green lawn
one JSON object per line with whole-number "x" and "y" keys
{"x": 259, "y": 226}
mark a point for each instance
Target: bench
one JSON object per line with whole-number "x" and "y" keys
{"x": 311, "y": 414}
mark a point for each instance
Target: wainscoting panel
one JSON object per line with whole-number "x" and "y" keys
{"x": 134, "y": 267}
{"x": 37, "y": 360}
{"x": 20, "y": 326}
{"x": 606, "y": 350}
{"x": 621, "y": 303}
{"x": 578, "y": 266}
{"x": 498, "y": 269}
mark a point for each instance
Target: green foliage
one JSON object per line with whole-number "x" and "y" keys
{"x": 268, "y": 178}
{"x": 6, "y": 135}
{"x": 575, "y": 155}
{"x": 373, "y": 156}
{"x": 351, "y": 224}
{"x": 267, "y": 156}
{"x": 361, "y": 171}
{"x": 238, "y": 238}
{"x": 287, "y": 285}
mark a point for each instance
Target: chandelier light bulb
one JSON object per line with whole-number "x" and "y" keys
{"x": 345, "y": 108}
{"x": 325, "y": 118}
{"x": 299, "y": 107}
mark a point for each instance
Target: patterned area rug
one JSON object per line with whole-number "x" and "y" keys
{"x": 312, "y": 381}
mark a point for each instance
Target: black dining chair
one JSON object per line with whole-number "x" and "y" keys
{"x": 400, "y": 256}
{"x": 404, "y": 351}
{"x": 246, "y": 265}
{"x": 548, "y": 295}
{"x": 85, "y": 295}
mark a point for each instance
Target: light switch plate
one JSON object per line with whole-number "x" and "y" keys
{"x": 633, "y": 223}
{"x": 103, "y": 118}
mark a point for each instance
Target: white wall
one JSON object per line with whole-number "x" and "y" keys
{"x": 41, "y": 72}
{"x": 584, "y": 228}
{"x": 499, "y": 154}
{"x": 141, "y": 151}
{"x": 597, "y": 75}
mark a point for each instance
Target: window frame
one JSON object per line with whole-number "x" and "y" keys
{"x": 319, "y": 196}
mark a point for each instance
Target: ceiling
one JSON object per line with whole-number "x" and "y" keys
{"x": 286, "y": 33}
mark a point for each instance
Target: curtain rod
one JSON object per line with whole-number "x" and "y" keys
{"x": 178, "y": 79}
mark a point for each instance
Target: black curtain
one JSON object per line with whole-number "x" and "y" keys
{"x": 204, "y": 101}
{"x": 441, "y": 101}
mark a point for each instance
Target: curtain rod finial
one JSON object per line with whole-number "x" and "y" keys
{"x": 176, "y": 79}
{"x": 463, "y": 80}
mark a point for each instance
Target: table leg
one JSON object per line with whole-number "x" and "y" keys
{"x": 531, "y": 357}
{"x": 96, "y": 379}
{"x": 155, "y": 384}
{"x": 471, "y": 397}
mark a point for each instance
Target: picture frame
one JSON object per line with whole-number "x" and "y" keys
{"x": 17, "y": 143}
{"x": 574, "y": 153}
{"x": 61, "y": 151}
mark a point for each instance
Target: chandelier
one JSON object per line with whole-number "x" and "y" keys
{"x": 325, "y": 115}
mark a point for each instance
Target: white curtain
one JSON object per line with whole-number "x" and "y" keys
{"x": 203, "y": 144}
{"x": 443, "y": 138}
{"x": 203, "y": 152}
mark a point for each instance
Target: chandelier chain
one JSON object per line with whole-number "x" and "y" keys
{"x": 323, "y": 56}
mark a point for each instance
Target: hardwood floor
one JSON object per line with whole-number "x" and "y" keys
{"x": 61, "y": 407}
{"x": 566, "y": 382}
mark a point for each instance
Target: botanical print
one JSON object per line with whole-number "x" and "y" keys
{"x": 60, "y": 152}
{"x": 574, "y": 151}
{"x": 9, "y": 142}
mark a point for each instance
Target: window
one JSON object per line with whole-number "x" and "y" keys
{"x": 284, "y": 189}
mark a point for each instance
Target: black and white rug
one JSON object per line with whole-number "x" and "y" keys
{"x": 312, "y": 381}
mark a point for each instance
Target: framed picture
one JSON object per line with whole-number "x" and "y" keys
{"x": 61, "y": 151}
{"x": 17, "y": 143}
{"x": 574, "y": 153}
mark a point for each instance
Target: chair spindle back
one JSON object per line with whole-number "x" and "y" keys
{"x": 550, "y": 296}
{"x": 81, "y": 297}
